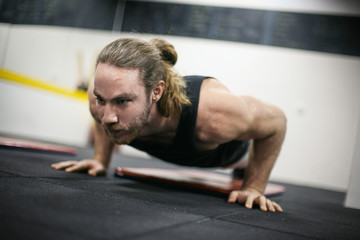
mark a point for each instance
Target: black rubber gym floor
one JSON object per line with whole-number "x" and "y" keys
{"x": 37, "y": 202}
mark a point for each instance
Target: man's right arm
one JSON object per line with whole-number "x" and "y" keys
{"x": 102, "y": 144}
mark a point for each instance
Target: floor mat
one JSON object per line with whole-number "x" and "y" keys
{"x": 35, "y": 145}
{"x": 196, "y": 179}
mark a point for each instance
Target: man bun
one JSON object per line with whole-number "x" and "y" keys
{"x": 167, "y": 51}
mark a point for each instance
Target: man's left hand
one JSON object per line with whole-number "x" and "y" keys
{"x": 250, "y": 196}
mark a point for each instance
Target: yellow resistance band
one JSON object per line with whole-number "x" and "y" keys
{"x": 25, "y": 80}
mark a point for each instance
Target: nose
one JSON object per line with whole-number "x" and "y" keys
{"x": 109, "y": 116}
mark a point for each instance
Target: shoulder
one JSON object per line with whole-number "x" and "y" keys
{"x": 218, "y": 113}
{"x": 223, "y": 116}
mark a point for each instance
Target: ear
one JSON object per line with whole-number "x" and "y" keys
{"x": 158, "y": 91}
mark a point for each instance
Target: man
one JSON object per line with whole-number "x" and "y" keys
{"x": 138, "y": 99}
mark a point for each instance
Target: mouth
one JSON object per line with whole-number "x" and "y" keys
{"x": 115, "y": 133}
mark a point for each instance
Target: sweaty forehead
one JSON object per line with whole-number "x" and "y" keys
{"x": 110, "y": 79}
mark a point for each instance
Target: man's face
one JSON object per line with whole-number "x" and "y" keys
{"x": 121, "y": 102}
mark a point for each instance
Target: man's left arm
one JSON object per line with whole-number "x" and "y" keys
{"x": 266, "y": 125}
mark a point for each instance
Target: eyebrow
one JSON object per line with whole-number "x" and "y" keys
{"x": 118, "y": 97}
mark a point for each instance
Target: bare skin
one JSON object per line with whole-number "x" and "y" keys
{"x": 118, "y": 97}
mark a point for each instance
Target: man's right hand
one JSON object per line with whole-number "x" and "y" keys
{"x": 93, "y": 167}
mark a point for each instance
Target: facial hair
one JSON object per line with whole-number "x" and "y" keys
{"x": 128, "y": 132}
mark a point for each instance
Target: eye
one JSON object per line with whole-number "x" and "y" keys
{"x": 100, "y": 100}
{"x": 122, "y": 101}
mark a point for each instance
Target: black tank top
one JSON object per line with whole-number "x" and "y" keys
{"x": 182, "y": 150}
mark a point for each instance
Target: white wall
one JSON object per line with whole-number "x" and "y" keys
{"x": 353, "y": 194}
{"x": 4, "y": 34}
{"x": 49, "y": 54}
{"x": 319, "y": 92}
{"x": 39, "y": 115}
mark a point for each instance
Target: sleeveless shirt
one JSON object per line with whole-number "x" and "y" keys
{"x": 182, "y": 150}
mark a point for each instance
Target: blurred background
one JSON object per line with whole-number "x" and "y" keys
{"x": 301, "y": 55}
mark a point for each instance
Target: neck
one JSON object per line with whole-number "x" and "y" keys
{"x": 158, "y": 125}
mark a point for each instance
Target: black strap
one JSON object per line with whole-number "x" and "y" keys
{"x": 186, "y": 129}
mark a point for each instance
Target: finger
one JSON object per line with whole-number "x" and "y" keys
{"x": 95, "y": 170}
{"x": 232, "y": 197}
{"x": 249, "y": 202}
{"x": 62, "y": 165}
{"x": 262, "y": 203}
{"x": 270, "y": 205}
{"x": 79, "y": 166}
{"x": 277, "y": 207}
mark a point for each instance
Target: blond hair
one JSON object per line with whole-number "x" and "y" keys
{"x": 155, "y": 60}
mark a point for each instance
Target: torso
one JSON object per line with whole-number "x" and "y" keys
{"x": 160, "y": 138}
{"x": 201, "y": 144}
{"x": 196, "y": 139}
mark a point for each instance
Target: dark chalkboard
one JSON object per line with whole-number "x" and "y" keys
{"x": 316, "y": 32}
{"x": 333, "y": 34}
{"x": 94, "y": 14}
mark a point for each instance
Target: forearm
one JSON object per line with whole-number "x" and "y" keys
{"x": 103, "y": 146}
{"x": 263, "y": 155}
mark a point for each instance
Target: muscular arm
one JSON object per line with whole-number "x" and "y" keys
{"x": 267, "y": 127}
{"x": 267, "y": 130}
{"x": 224, "y": 117}
{"x": 102, "y": 144}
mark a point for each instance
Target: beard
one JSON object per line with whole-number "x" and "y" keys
{"x": 126, "y": 133}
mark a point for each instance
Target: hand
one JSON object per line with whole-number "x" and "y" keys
{"x": 249, "y": 197}
{"x": 93, "y": 167}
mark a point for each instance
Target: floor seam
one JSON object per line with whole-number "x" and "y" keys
{"x": 271, "y": 229}
{"x": 165, "y": 228}
{"x": 210, "y": 218}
